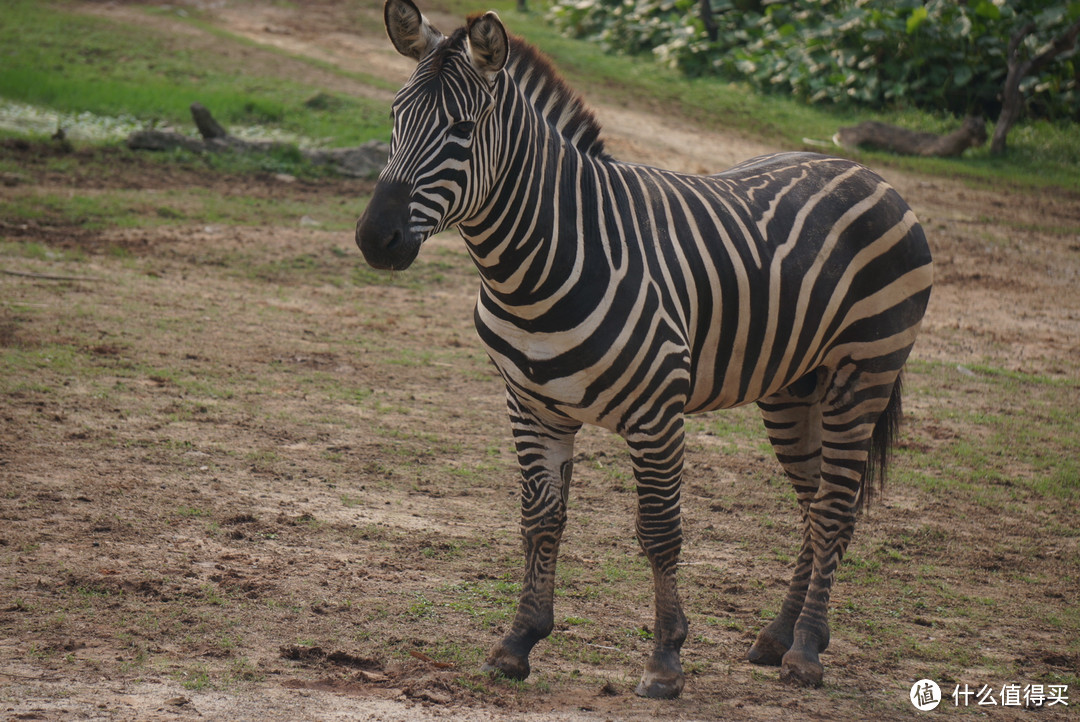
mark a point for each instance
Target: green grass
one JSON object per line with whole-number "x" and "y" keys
{"x": 60, "y": 59}
{"x": 92, "y": 211}
{"x": 183, "y": 204}
{"x": 39, "y": 252}
{"x": 127, "y": 208}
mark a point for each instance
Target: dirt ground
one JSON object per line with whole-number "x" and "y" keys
{"x": 242, "y": 477}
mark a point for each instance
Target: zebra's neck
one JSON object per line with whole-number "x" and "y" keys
{"x": 550, "y": 154}
{"x": 530, "y": 223}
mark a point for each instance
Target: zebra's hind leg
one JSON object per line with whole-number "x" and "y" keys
{"x": 658, "y": 463}
{"x": 545, "y": 454}
{"x": 793, "y": 421}
{"x": 852, "y": 419}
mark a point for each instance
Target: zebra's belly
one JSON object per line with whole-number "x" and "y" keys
{"x": 614, "y": 385}
{"x": 558, "y": 374}
{"x": 615, "y": 400}
{"x": 584, "y": 395}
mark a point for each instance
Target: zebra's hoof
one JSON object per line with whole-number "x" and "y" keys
{"x": 767, "y": 650}
{"x": 502, "y": 663}
{"x": 655, "y": 687}
{"x": 663, "y": 678}
{"x": 801, "y": 669}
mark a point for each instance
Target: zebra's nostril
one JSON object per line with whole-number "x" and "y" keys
{"x": 394, "y": 241}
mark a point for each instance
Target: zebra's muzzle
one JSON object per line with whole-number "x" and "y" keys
{"x": 382, "y": 233}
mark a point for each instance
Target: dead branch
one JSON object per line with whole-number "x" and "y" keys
{"x": 208, "y": 127}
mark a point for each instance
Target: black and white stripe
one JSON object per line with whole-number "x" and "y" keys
{"x": 626, "y": 296}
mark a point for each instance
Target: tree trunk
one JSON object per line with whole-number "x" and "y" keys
{"x": 710, "y": 23}
{"x": 1012, "y": 101}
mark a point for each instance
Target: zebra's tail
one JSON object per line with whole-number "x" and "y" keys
{"x": 881, "y": 441}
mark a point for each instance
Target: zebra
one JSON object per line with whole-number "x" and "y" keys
{"x": 625, "y": 297}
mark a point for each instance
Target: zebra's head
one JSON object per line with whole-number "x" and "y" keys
{"x": 442, "y": 164}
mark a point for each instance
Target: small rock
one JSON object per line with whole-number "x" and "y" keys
{"x": 309, "y": 222}
{"x": 177, "y": 701}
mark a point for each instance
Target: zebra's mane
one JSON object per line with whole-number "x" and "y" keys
{"x": 553, "y": 97}
{"x": 544, "y": 88}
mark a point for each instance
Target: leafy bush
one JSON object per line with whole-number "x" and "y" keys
{"x": 935, "y": 54}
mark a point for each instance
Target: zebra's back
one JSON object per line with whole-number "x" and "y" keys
{"x": 804, "y": 254}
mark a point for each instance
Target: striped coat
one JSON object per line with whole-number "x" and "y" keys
{"x": 626, "y": 297}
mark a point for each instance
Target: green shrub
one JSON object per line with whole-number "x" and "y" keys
{"x": 937, "y": 54}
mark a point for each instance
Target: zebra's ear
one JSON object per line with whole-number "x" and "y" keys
{"x": 488, "y": 44}
{"x": 409, "y": 31}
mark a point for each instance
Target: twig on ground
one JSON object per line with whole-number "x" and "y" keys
{"x": 48, "y": 276}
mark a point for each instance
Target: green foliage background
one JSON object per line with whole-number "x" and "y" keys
{"x": 881, "y": 54}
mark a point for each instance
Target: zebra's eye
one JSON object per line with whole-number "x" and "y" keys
{"x": 461, "y": 130}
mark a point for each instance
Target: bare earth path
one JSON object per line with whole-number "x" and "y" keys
{"x": 244, "y": 478}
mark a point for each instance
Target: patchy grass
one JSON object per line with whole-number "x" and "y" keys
{"x": 1023, "y": 436}
{"x": 85, "y": 73}
{"x": 264, "y": 399}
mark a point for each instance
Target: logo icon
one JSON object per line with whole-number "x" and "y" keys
{"x": 925, "y": 695}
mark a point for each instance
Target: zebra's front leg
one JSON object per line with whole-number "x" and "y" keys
{"x": 545, "y": 454}
{"x": 658, "y": 466}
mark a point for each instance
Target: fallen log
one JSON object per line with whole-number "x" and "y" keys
{"x": 363, "y": 161}
{"x": 882, "y": 136}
